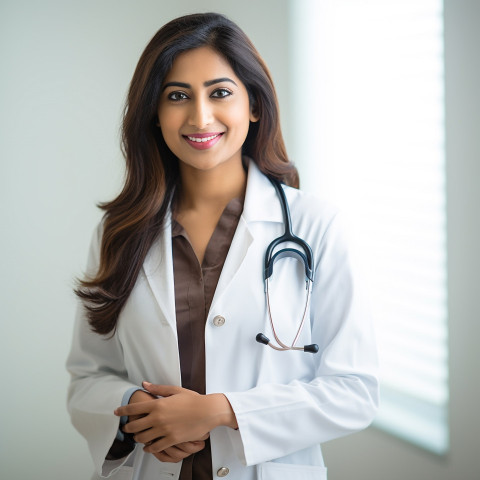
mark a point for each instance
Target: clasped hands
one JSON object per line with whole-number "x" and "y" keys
{"x": 176, "y": 425}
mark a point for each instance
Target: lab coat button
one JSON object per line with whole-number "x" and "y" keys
{"x": 223, "y": 472}
{"x": 218, "y": 321}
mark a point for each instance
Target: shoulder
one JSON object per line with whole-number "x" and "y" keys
{"x": 321, "y": 223}
{"x": 310, "y": 207}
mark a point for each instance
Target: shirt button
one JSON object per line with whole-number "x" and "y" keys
{"x": 218, "y": 321}
{"x": 223, "y": 472}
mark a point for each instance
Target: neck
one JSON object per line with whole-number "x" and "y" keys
{"x": 211, "y": 189}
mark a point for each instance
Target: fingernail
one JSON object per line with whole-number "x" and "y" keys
{"x": 146, "y": 383}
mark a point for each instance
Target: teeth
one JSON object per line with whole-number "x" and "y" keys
{"x": 202, "y": 139}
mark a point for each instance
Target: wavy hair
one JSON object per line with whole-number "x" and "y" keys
{"x": 135, "y": 217}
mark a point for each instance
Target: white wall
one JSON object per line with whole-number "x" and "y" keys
{"x": 65, "y": 70}
{"x": 373, "y": 454}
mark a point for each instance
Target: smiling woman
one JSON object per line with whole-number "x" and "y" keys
{"x": 175, "y": 288}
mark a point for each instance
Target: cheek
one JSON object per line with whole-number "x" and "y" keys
{"x": 169, "y": 128}
{"x": 169, "y": 119}
{"x": 240, "y": 117}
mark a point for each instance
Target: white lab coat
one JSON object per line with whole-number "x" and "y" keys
{"x": 286, "y": 403}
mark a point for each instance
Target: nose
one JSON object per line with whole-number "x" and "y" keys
{"x": 201, "y": 114}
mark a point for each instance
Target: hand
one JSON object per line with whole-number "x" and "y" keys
{"x": 137, "y": 397}
{"x": 175, "y": 453}
{"x": 181, "y": 416}
{"x": 179, "y": 452}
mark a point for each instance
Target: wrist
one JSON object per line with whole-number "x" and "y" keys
{"x": 223, "y": 414}
{"x": 141, "y": 396}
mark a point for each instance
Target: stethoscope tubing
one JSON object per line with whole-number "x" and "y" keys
{"x": 308, "y": 261}
{"x": 282, "y": 347}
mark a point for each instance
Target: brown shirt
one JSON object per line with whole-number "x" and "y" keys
{"x": 195, "y": 286}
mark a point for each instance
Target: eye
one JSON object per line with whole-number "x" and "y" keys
{"x": 177, "y": 96}
{"x": 221, "y": 93}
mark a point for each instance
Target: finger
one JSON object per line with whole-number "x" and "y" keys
{"x": 137, "y": 426}
{"x": 132, "y": 418}
{"x": 147, "y": 437}
{"x": 139, "y": 408}
{"x": 159, "y": 445}
{"x": 162, "y": 390}
{"x": 179, "y": 452}
{"x": 165, "y": 457}
{"x": 190, "y": 447}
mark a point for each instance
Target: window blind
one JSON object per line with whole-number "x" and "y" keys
{"x": 381, "y": 157}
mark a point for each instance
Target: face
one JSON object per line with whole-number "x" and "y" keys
{"x": 204, "y": 111}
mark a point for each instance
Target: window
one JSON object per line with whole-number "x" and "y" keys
{"x": 372, "y": 75}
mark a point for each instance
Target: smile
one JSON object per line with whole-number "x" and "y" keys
{"x": 203, "y": 141}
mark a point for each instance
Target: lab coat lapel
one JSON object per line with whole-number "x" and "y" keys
{"x": 261, "y": 204}
{"x": 236, "y": 255}
{"x": 158, "y": 269}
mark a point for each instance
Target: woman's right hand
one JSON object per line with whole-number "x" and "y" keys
{"x": 175, "y": 453}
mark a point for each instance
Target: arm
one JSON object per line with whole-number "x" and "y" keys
{"x": 340, "y": 395}
{"x": 98, "y": 381}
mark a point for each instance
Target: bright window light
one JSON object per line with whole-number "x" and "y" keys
{"x": 379, "y": 154}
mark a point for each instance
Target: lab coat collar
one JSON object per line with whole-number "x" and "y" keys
{"x": 261, "y": 200}
{"x": 261, "y": 205}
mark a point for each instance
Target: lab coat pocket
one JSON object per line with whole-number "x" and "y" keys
{"x": 284, "y": 471}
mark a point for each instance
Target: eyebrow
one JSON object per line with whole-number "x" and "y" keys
{"x": 208, "y": 83}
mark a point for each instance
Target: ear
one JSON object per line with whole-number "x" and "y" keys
{"x": 254, "y": 114}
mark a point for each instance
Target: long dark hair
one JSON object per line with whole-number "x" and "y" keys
{"x": 134, "y": 219}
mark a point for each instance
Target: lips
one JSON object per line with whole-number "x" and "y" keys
{"x": 203, "y": 141}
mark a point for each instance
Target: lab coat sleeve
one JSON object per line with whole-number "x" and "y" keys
{"x": 277, "y": 420}
{"x": 98, "y": 381}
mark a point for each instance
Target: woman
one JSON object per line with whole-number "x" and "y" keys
{"x": 175, "y": 291}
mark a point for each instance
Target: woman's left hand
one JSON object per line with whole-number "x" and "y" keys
{"x": 178, "y": 452}
{"x": 180, "y": 416}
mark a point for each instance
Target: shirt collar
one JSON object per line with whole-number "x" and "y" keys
{"x": 233, "y": 209}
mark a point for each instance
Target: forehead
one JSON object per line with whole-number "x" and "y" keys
{"x": 199, "y": 65}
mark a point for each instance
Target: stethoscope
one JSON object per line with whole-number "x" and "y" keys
{"x": 306, "y": 257}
